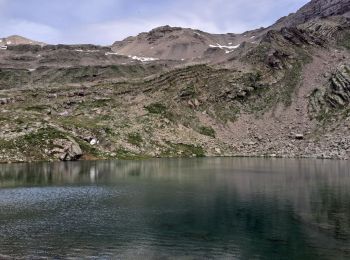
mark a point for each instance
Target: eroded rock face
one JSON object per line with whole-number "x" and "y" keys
{"x": 339, "y": 92}
{"x": 315, "y": 9}
{"x": 334, "y": 96}
{"x": 66, "y": 150}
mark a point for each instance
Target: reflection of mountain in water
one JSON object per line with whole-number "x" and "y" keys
{"x": 236, "y": 206}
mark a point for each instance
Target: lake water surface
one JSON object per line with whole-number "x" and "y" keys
{"x": 222, "y": 208}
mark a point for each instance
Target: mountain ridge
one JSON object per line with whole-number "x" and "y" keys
{"x": 18, "y": 40}
{"x": 314, "y": 9}
{"x": 281, "y": 91}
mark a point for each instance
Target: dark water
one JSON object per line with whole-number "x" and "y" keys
{"x": 176, "y": 209}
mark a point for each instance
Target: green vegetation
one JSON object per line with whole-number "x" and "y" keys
{"x": 135, "y": 139}
{"x": 93, "y": 124}
{"x": 188, "y": 92}
{"x": 208, "y": 131}
{"x": 252, "y": 79}
{"x": 32, "y": 145}
{"x": 225, "y": 112}
{"x": 183, "y": 150}
{"x": 344, "y": 41}
{"x": 156, "y": 108}
{"x": 291, "y": 80}
{"x": 37, "y": 108}
{"x": 123, "y": 154}
{"x": 258, "y": 54}
{"x": 90, "y": 151}
{"x": 44, "y": 134}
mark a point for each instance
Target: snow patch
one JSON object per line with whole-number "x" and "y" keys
{"x": 87, "y": 51}
{"x": 94, "y": 141}
{"x": 252, "y": 37}
{"x": 111, "y": 53}
{"x": 9, "y": 42}
{"x": 228, "y": 49}
{"x": 143, "y": 59}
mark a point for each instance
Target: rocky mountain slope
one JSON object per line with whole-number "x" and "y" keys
{"x": 315, "y": 9}
{"x": 175, "y": 43}
{"x": 18, "y": 40}
{"x": 283, "y": 91}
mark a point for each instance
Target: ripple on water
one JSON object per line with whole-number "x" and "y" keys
{"x": 208, "y": 208}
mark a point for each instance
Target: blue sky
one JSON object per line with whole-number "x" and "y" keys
{"x": 105, "y": 21}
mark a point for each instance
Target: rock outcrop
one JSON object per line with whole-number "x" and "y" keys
{"x": 315, "y": 9}
{"x": 338, "y": 94}
{"x": 66, "y": 150}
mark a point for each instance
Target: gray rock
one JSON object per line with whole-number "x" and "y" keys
{"x": 67, "y": 150}
{"x": 299, "y": 136}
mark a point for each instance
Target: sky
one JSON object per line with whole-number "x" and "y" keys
{"x": 105, "y": 21}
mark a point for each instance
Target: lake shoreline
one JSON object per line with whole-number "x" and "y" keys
{"x": 179, "y": 157}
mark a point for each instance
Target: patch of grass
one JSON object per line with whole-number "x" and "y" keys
{"x": 89, "y": 151}
{"x": 291, "y": 79}
{"x": 323, "y": 116}
{"x": 184, "y": 150}
{"x": 208, "y": 131}
{"x": 258, "y": 54}
{"x": 37, "y": 138}
{"x": 37, "y": 108}
{"x": 344, "y": 41}
{"x": 93, "y": 124}
{"x": 127, "y": 155}
{"x": 252, "y": 79}
{"x": 228, "y": 112}
{"x": 100, "y": 103}
{"x": 109, "y": 131}
{"x": 156, "y": 108}
{"x": 188, "y": 92}
{"x": 32, "y": 145}
{"x": 135, "y": 139}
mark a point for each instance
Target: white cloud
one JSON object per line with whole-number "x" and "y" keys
{"x": 105, "y": 21}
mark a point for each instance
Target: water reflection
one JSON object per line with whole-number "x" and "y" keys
{"x": 242, "y": 208}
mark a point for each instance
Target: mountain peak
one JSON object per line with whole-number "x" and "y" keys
{"x": 166, "y": 28}
{"x": 18, "y": 40}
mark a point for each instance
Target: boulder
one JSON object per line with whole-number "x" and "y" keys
{"x": 299, "y": 136}
{"x": 66, "y": 149}
{"x": 4, "y": 101}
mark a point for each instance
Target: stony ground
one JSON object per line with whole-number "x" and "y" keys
{"x": 287, "y": 96}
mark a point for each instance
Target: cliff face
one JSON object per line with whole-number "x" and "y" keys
{"x": 315, "y": 9}
{"x": 281, "y": 91}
